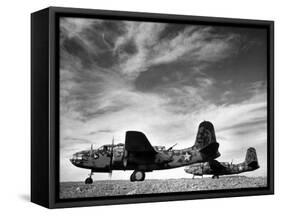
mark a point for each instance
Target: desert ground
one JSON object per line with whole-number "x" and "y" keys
{"x": 125, "y": 187}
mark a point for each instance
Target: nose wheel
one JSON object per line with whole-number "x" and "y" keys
{"x": 89, "y": 180}
{"x": 137, "y": 176}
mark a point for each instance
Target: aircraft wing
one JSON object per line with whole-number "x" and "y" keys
{"x": 136, "y": 141}
{"x": 216, "y": 166}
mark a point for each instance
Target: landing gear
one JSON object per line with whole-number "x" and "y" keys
{"x": 89, "y": 180}
{"x": 215, "y": 176}
{"x": 137, "y": 176}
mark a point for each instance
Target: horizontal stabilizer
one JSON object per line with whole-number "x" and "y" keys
{"x": 136, "y": 141}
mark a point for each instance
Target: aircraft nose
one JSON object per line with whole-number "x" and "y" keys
{"x": 76, "y": 158}
{"x": 73, "y": 160}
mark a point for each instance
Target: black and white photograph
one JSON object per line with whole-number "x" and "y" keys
{"x": 140, "y": 108}
{"x": 154, "y": 107}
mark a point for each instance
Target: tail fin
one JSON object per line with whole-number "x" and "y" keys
{"x": 205, "y": 135}
{"x": 206, "y": 141}
{"x": 251, "y": 158}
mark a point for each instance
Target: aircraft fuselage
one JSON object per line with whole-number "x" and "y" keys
{"x": 216, "y": 168}
{"x": 99, "y": 160}
{"x": 229, "y": 169}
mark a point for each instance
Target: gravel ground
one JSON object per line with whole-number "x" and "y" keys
{"x": 125, "y": 187}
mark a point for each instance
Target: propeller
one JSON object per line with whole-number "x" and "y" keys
{"x": 125, "y": 157}
{"x": 111, "y": 157}
{"x": 91, "y": 151}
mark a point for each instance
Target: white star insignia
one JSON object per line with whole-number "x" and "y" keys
{"x": 187, "y": 156}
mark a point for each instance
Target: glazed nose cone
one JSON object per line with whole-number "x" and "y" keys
{"x": 75, "y": 159}
{"x": 72, "y": 160}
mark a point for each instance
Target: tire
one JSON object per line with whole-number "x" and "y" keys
{"x": 143, "y": 177}
{"x": 89, "y": 180}
{"x": 139, "y": 175}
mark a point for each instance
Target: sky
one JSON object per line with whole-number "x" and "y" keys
{"x": 162, "y": 79}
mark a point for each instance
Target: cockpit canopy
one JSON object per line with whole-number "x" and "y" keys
{"x": 108, "y": 147}
{"x": 80, "y": 155}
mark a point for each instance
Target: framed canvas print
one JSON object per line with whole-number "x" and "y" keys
{"x": 139, "y": 107}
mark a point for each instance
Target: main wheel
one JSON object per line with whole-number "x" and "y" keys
{"x": 215, "y": 177}
{"x": 143, "y": 176}
{"x": 89, "y": 180}
{"x": 132, "y": 178}
{"x": 137, "y": 176}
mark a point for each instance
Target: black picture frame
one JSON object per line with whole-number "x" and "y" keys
{"x": 45, "y": 107}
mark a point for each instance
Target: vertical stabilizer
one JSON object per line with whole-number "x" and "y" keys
{"x": 206, "y": 141}
{"x": 251, "y": 158}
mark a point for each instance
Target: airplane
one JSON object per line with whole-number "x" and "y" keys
{"x": 139, "y": 155}
{"x": 216, "y": 168}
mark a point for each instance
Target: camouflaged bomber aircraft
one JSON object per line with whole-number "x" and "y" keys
{"x": 139, "y": 155}
{"x": 216, "y": 168}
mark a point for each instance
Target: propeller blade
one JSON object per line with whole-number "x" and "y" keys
{"x": 111, "y": 158}
{"x": 110, "y": 174}
{"x": 125, "y": 158}
{"x": 91, "y": 152}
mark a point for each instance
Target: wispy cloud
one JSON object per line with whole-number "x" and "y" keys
{"x": 194, "y": 44}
